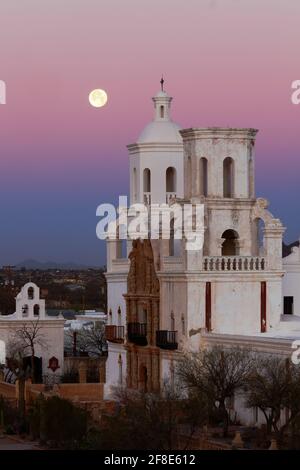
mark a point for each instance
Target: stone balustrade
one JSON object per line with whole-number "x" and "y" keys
{"x": 234, "y": 263}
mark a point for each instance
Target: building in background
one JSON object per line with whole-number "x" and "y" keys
{"x": 31, "y": 314}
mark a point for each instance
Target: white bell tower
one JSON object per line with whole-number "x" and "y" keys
{"x": 156, "y": 159}
{"x": 156, "y": 175}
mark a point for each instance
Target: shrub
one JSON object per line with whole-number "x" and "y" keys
{"x": 58, "y": 422}
{"x": 11, "y": 419}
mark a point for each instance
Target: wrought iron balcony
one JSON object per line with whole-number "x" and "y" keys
{"x": 114, "y": 333}
{"x": 166, "y": 339}
{"x": 137, "y": 333}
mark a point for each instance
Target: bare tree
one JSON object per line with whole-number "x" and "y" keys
{"x": 89, "y": 340}
{"x": 15, "y": 364}
{"x": 215, "y": 375}
{"x": 26, "y": 338}
{"x": 274, "y": 385}
{"x": 92, "y": 340}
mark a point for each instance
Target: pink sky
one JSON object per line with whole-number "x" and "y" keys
{"x": 228, "y": 62}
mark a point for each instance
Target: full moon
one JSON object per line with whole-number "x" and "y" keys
{"x": 98, "y": 98}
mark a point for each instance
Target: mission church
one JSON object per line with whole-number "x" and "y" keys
{"x": 236, "y": 290}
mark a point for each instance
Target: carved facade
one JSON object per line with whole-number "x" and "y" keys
{"x": 142, "y": 316}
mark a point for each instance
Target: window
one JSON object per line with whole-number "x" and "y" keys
{"x": 171, "y": 180}
{"x": 162, "y": 112}
{"x": 228, "y": 177}
{"x": 230, "y": 247}
{"x": 30, "y": 293}
{"x": 36, "y": 310}
{"x": 288, "y": 305}
{"x": 147, "y": 180}
{"x": 203, "y": 177}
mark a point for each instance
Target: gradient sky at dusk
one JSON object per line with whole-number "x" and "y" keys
{"x": 226, "y": 63}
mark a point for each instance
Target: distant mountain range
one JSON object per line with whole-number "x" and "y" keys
{"x": 34, "y": 264}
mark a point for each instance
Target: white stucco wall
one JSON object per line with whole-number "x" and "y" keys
{"x": 114, "y": 369}
{"x": 51, "y": 335}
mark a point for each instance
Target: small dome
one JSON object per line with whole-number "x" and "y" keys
{"x": 162, "y": 128}
{"x": 161, "y": 131}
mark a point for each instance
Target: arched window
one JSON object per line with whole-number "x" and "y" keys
{"x": 30, "y": 293}
{"x": 171, "y": 180}
{"x": 228, "y": 177}
{"x": 25, "y": 310}
{"x": 203, "y": 176}
{"x": 36, "y": 310}
{"x": 230, "y": 246}
{"x": 162, "y": 112}
{"x": 147, "y": 180}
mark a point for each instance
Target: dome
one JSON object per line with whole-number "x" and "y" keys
{"x": 161, "y": 131}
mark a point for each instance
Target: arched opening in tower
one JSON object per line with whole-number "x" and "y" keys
{"x": 171, "y": 180}
{"x": 230, "y": 244}
{"x": 147, "y": 180}
{"x": 203, "y": 176}
{"x": 228, "y": 177}
{"x": 30, "y": 293}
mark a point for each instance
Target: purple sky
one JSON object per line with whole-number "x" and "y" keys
{"x": 228, "y": 62}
